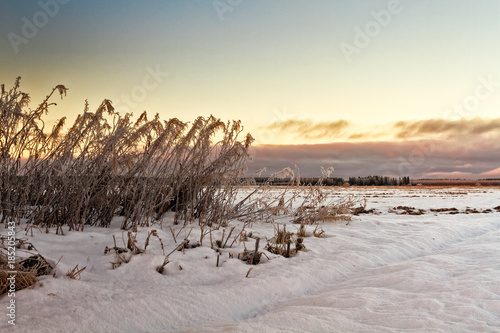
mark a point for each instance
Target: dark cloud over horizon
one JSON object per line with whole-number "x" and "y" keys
{"x": 417, "y": 158}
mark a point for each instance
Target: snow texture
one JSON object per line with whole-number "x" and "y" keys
{"x": 436, "y": 272}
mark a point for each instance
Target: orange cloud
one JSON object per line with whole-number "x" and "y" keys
{"x": 403, "y": 130}
{"x": 451, "y": 128}
{"x": 307, "y": 129}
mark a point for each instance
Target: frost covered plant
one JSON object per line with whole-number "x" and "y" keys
{"x": 75, "y": 273}
{"x": 302, "y": 231}
{"x": 306, "y": 204}
{"x": 281, "y": 242}
{"x": 318, "y": 207}
{"x": 107, "y": 164}
{"x": 319, "y": 232}
{"x": 27, "y": 269}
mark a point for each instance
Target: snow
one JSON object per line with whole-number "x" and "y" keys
{"x": 435, "y": 272}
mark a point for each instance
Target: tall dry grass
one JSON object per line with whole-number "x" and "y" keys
{"x": 304, "y": 204}
{"x": 108, "y": 164}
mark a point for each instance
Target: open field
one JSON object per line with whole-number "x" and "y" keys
{"x": 386, "y": 270}
{"x": 249, "y": 166}
{"x": 458, "y": 182}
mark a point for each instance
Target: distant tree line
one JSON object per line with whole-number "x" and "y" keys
{"x": 337, "y": 181}
{"x": 379, "y": 181}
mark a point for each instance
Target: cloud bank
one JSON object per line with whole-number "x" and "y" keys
{"x": 403, "y": 130}
{"x": 435, "y": 148}
{"x": 307, "y": 129}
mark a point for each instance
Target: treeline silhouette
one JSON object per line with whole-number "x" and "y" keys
{"x": 338, "y": 181}
{"x": 379, "y": 181}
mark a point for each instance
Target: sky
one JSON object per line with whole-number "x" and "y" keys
{"x": 399, "y": 88}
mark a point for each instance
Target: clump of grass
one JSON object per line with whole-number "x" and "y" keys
{"x": 317, "y": 206}
{"x": 222, "y": 243}
{"x": 306, "y": 204}
{"x": 27, "y": 269}
{"x": 281, "y": 242}
{"x": 36, "y": 264}
{"x": 107, "y": 164}
{"x": 251, "y": 257}
{"x": 122, "y": 254}
{"x": 75, "y": 273}
{"x": 23, "y": 280}
{"x": 319, "y": 232}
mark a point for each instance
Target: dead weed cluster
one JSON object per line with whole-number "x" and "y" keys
{"x": 108, "y": 164}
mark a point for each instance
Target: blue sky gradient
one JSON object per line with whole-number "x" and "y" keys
{"x": 264, "y": 62}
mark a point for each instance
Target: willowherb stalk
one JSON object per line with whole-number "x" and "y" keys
{"x": 107, "y": 164}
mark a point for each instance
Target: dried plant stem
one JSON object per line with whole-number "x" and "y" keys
{"x": 106, "y": 164}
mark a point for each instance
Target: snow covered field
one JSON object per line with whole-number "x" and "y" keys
{"x": 388, "y": 271}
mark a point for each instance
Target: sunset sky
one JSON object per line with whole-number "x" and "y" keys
{"x": 369, "y": 87}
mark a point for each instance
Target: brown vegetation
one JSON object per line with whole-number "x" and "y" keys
{"x": 23, "y": 273}
{"x": 108, "y": 164}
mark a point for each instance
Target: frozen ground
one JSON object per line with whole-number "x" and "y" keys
{"x": 435, "y": 272}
